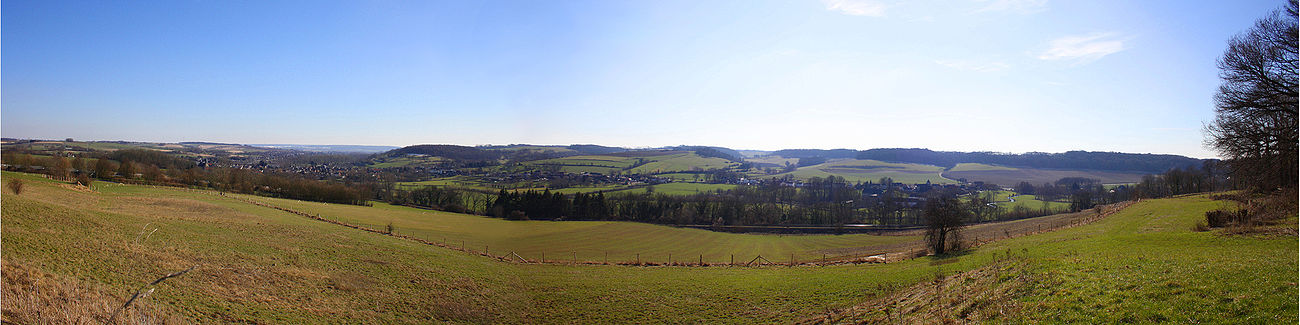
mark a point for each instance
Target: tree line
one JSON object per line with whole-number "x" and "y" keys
{"x": 143, "y": 166}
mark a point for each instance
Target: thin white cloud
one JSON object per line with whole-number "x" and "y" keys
{"x": 1082, "y": 48}
{"x": 856, "y": 7}
{"x": 973, "y": 66}
{"x": 1015, "y": 6}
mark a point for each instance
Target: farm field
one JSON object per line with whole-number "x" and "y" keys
{"x": 1141, "y": 265}
{"x": 682, "y": 162}
{"x": 680, "y": 188}
{"x": 1010, "y": 200}
{"x": 605, "y": 165}
{"x": 392, "y": 162}
{"x": 861, "y": 170}
{"x": 454, "y": 181}
{"x": 684, "y": 177}
{"x": 590, "y": 240}
{"x": 256, "y": 264}
{"x": 465, "y": 182}
{"x": 1010, "y": 176}
{"x": 772, "y": 161}
{"x": 656, "y": 162}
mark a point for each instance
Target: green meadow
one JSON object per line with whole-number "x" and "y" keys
{"x": 863, "y": 170}
{"x": 654, "y": 163}
{"x": 678, "y": 188}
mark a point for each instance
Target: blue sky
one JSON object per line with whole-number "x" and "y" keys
{"x": 963, "y": 75}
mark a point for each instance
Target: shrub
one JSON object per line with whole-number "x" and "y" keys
{"x": 84, "y": 179}
{"x": 454, "y": 208}
{"x": 16, "y": 185}
{"x": 1221, "y": 218}
{"x": 1201, "y": 227}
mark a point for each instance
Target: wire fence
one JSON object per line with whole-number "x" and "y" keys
{"x": 976, "y": 235}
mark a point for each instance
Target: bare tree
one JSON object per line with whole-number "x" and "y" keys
{"x": 944, "y": 217}
{"x": 61, "y": 167}
{"x": 16, "y": 185}
{"x": 1255, "y": 124}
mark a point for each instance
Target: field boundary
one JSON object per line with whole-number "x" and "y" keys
{"x": 900, "y": 252}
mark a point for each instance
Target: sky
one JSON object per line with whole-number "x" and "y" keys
{"x": 961, "y": 75}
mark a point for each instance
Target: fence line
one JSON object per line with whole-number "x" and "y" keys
{"x": 906, "y": 251}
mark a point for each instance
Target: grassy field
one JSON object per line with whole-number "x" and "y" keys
{"x": 861, "y": 170}
{"x": 590, "y": 240}
{"x": 655, "y": 163}
{"x": 1010, "y": 176}
{"x": 466, "y": 182}
{"x": 680, "y": 163}
{"x": 772, "y": 161}
{"x": 453, "y": 181}
{"x": 684, "y": 177}
{"x": 604, "y": 165}
{"x": 974, "y": 167}
{"x": 1009, "y": 200}
{"x": 680, "y": 188}
{"x": 392, "y": 162}
{"x": 261, "y": 265}
{"x": 257, "y": 264}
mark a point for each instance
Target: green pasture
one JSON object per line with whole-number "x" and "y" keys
{"x": 392, "y": 162}
{"x": 681, "y": 162}
{"x": 862, "y": 170}
{"x": 679, "y": 188}
{"x": 967, "y": 167}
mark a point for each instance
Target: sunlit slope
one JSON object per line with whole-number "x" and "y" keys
{"x": 1141, "y": 265}
{"x": 863, "y": 170}
{"x": 253, "y": 264}
{"x": 592, "y": 240}
{"x": 261, "y": 265}
{"x": 649, "y": 162}
{"x": 1010, "y": 176}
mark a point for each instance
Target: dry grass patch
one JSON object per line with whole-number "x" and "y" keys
{"x": 32, "y": 296}
{"x": 984, "y": 294}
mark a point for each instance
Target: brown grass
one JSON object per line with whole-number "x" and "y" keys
{"x": 1266, "y": 214}
{"x": 32, "y": 296}
{"x": 984, "y": 294}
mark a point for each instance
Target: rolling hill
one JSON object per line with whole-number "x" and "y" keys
{"x": 1010, "y": 176}
{"x": 73, "y": 254}
{"x": 861, "y": 170}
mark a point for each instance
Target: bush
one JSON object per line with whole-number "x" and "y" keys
{"x": 84, "y": 179}
{"x": 16, "y": 185}
{"x": 1201, "y": 227}
{"x": 1221, "y": 218}
{"x": 454, "y": 208}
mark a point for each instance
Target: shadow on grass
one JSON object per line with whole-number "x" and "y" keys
{"x": 949, "y": 257}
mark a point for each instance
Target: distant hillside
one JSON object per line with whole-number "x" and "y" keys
{"x": 714, "y": 152}
{"x": 817, "y": 153}
{"x": 1150, "y": 163}
{"x": 328, "y": 148}
{"x": 445, "y": 151}
{"x": 591, "y": 149}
